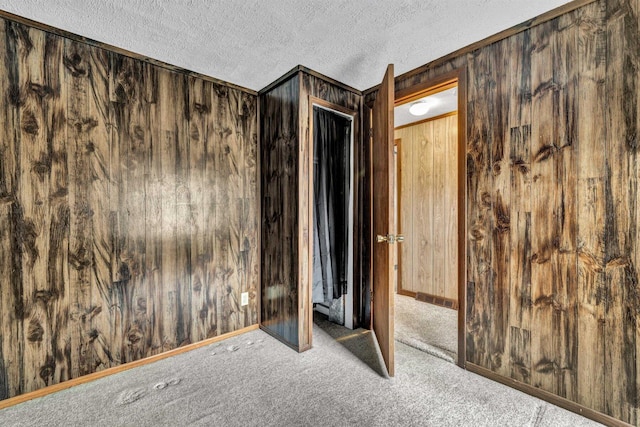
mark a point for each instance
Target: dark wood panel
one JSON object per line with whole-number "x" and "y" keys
{"x": 334, "y": 94}
{"x": 286, "y": 216}
{"x": 119, "y": 51}
{"x": 552, "y": 283}
{"x": 279, "y": 113}
{"x": 107, "y": 199}
{"x": 480, "y": 207}
{"x": 622, "y": 295}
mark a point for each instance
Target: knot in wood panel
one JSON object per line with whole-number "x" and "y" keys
{"x": 74, "y": 64}
{"x": 42, "y": 91}
{"x": 29, "y": 123}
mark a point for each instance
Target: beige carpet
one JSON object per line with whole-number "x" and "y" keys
{"x": 254, "y": 380}
{"x": 427, "y": 327}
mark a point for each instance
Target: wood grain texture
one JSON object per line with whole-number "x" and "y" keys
{"x": 552, "y": 249}
{"x": 428, "y": 216}
{"x": 279, "y": 141}
{"x": 103, "y": 212}
{"x": 384, "y": 223}
{"x": 286, "y": 207}
{"x": 590, "y": 208}
{"x": 313, "y": 85}
{"x": 622, "y": 297}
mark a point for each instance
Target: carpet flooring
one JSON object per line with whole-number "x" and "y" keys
{"x": 427, "y": 327}
{"x": 253, "y": 379}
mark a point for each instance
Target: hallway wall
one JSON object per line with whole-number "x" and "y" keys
{"x": 427, "y": 184}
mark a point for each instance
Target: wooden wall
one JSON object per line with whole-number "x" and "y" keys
{"x": 286, "y": 221}
{"x": 428, "y": 207}
{"x": 318, "y": 87}
{"x": 279, "y": 163}
{"x": 552, "y": 205}
{"x": 128, "y": 209}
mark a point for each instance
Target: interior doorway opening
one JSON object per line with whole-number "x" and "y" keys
{"x": 333, "y": 212}
{"x": 430, "y": 211}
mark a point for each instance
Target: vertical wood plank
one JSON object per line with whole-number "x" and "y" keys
{"x": 543, "y": 222}
{"x": 479, "y": 214}
{"x": 279, "y": 158}
{"x": 421, "y": 163}
{"x": 501, "y": 209}
{"x": 451, "y": 205}
{"x": 248, "y": 261}
{"x": 200, "y": 116}
{"x": 181, "y": 152}
{"x": 11, "y": 221}
{"x": 97, "y": 122}
{"x": 79, "y": 124}
{"x": 520, "y": 215}
{"x": 34, "y": 198}
{"x": 210, "y": 213}
{"x": 439, "y": 209}
{"x": 590, "y": 206}
{"x": 164, "y": 160}
{"x": 405, "y": 212}
{"x": 565, "y": 288}
{"x": 621, "y": 205}
{"x": 131, "y": 142}
{"x": 58, "y": 234}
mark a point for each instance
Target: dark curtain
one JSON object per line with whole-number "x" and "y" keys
{"x": 331, "y": 181}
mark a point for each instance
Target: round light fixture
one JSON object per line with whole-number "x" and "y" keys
{"x": 419, "y": 108}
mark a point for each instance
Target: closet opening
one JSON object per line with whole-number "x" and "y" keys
{"x": 332, "y": 190}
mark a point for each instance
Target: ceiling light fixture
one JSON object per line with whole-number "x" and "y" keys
{"x": 419, "y": 108}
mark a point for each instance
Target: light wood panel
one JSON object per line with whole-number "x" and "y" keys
{"x": 124, "y": 234}
{"x": 552, "y": 130}
{"x": 428, "y": 215}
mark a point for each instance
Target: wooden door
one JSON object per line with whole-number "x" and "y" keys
{"x": 383, "y": 219}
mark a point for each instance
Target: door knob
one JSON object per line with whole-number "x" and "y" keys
{"x": 390, "y": 238}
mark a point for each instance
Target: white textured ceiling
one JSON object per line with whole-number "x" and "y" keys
{"x": 253, "y": 42}
{"x": 439, "y": 103}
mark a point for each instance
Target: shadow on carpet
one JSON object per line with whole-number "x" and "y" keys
{"x": 360, "y": 342}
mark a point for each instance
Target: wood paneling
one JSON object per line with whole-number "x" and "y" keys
{"x": 552, "y": 247}
{"x": 428, "y": 188}
{"x": 384, "y": 220}
{"x": 128, "y": 209}
{"x": 279, "y": 163}
{"x": 287, "y": 192}
{"x": 338, "y": 96}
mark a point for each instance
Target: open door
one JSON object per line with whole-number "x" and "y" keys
{"x": 383, "y": 305}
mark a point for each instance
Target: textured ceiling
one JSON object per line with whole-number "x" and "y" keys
{"x": 253, "y": 42}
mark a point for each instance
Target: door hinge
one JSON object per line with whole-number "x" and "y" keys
{"x": 370, "y": 132}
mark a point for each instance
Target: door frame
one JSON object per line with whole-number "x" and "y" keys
{"x": 340, "y": 110}
{"x": 419, "y": 90}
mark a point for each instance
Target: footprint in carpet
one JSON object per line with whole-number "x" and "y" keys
{"x": 129, "y": 396}
{"x": 164, "y": 384}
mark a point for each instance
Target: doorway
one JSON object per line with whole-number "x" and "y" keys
{"x": 332, "y": 130}
{"x": 429, "y": 158}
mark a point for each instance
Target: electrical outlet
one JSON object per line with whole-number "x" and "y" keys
{"x": 244, "y": 298}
